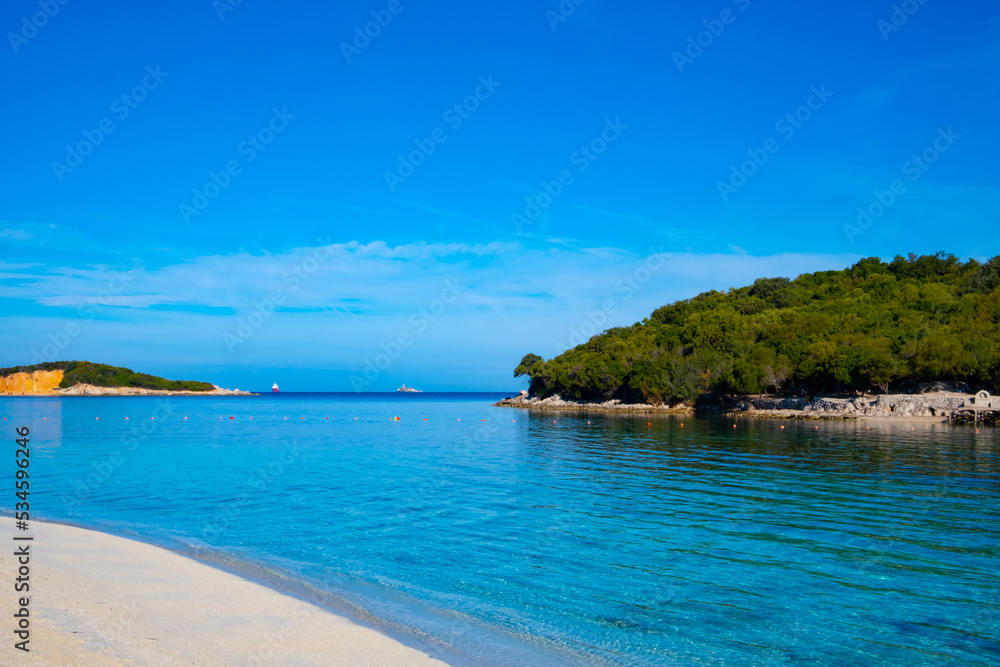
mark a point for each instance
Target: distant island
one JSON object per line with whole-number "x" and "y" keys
{"x": 896, "y": 327}
{"x": 409, "y": 390}
{"x": 85, "y": 378}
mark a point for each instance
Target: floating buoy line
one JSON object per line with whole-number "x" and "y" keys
{"x": 399, "y": 419}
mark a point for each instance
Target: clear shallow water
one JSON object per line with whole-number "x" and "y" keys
{"x": 531, "y": 542}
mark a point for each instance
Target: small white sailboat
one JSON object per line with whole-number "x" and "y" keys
{"x": 274, "y": 388}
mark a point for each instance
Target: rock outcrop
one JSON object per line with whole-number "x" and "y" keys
{"x": 939, "y": 405}
{"x": 557, "y": 403}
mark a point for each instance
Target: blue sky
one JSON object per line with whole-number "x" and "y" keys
{"x": 583, "y": 143}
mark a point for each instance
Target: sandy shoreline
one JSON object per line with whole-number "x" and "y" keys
{"x": 97, "y": 599}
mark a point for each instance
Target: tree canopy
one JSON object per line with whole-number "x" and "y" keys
{"x": 885, "y": 326}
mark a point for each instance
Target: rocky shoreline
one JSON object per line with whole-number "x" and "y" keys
{"x": 92, "y": 390}
{"x": 938, "y": 406}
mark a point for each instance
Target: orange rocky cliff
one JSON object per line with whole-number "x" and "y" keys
{"x": 46, "y": 383}
{"x": 39, "y": 382}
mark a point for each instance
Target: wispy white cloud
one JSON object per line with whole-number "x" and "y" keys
{"x": 339, "y": 304}
{"x": 15, "y": 234}
{"x": 382, "y": 274}
{"x": 47, "y": 235}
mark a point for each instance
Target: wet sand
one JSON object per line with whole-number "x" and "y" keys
{"x": 97, "y": 599}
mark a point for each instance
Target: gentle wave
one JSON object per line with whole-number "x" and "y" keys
{"x": 517, "y": 540}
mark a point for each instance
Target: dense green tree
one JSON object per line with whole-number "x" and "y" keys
{"x": 885, "y": 326}
{"x": 524, "y": 368}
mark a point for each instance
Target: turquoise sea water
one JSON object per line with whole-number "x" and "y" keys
{"x": 550, "y": 540}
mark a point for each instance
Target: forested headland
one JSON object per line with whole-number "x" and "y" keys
{"x": 874, "y": 327}
{"x": 103, "y": 375}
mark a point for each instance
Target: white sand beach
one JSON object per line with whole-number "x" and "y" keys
{"x": 97, "y": 599}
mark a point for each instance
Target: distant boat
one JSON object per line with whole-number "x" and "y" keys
{"x": 274, "y": 388}
{"x": 409, "y": 390}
